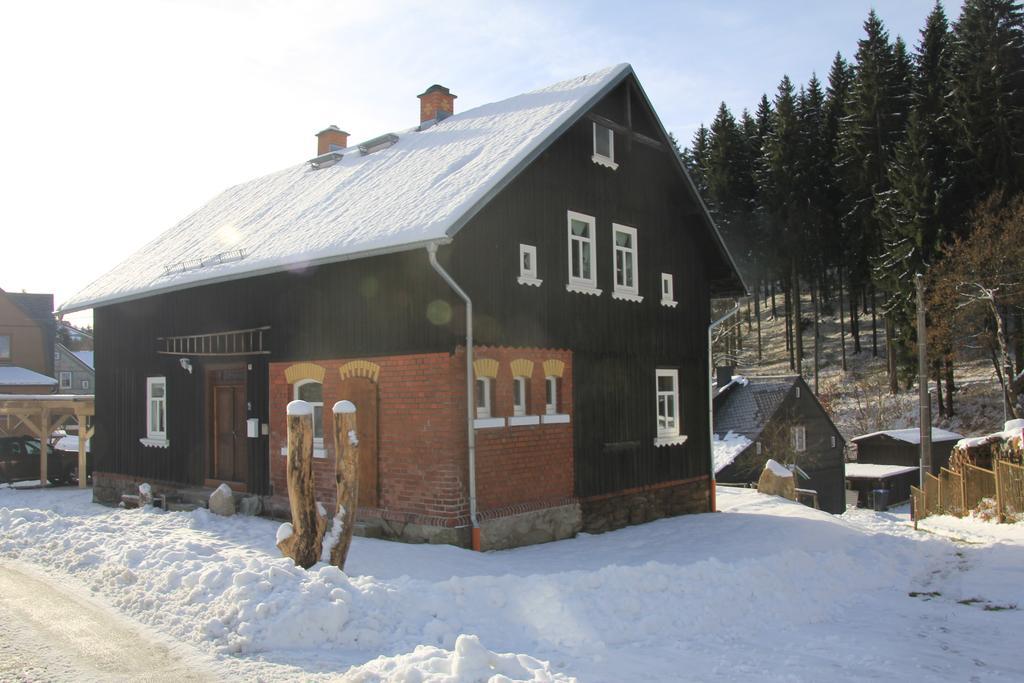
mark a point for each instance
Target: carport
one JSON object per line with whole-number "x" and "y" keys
{"x": 44, "y": 413}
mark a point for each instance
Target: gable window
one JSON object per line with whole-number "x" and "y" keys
{"x": 156, "y": 408}
{"x": 528, "y": 265}
{"x": 550, "y": 395}
{"x": 799, "y": 438}
{"x": 832, "y": 440}
{"x": 668, "y": 292}
{"x": 519, "y": 393}
{"x": 667, "y": 396}
{"x": 312, "y": 392}
{"x": 483, "y": 397}
{"x": 582, "y": 268}
{"x": 624, "y": 258}
{"x": 604, "y": 146}
{"x": 85, "y": 384}
{"x": 5, "y": 347}
{"x": 65, "y": 379}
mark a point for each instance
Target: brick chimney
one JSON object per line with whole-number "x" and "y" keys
{"x": 330, "y": 139}
{"x": 436, "y": 102}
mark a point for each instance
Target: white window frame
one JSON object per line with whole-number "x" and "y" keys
{"x": 85, "y": 384}
{"x": 582, "y": 285}
{"x": 668, "y": 290}
{"x": 833, "y": 441}
{"x": 65, "y": 375}
{"x": 550, "y": 395}
{"x": 483, "y": 389}
{"x": 626, "y": 292}
{"x": 668, "y": 431}
{"x": 160, "y": 403}
{"x": 603, "y": 160}
{"x": 528, "y": 276}
{"x": 318, "y": 442}
{"x": 798, "y": 438}
{"x": 520, "y": 385}
{"x": 9, "y": 353}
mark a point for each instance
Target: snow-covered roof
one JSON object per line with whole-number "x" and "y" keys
{"x": 863, "y": 470}
{"x": 912, "y": 435}
{"x": 70, "y": 443}
{"x": 86, "y": 357}
{"x": 727, "y": 448}
{"x": 13, "y": 376}
{"x": 421, "y": 189}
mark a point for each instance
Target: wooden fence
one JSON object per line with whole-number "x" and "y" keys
{"x": 959, "y": 493}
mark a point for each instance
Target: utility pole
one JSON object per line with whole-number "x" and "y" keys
{"x": 925, "y": 418}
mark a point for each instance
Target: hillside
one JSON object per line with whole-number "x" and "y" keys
{"x": 859, "y": 399}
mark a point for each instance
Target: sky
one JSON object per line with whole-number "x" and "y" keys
{"x": 121, "y": 118}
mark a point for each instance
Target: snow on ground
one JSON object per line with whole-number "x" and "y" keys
{"x": 768, "y": 590}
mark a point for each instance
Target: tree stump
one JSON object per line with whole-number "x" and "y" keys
{"x": 346, "y": 473}
{"x": 305, "y": 541}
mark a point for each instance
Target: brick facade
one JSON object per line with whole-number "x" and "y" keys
{"x": 421, "y": 453}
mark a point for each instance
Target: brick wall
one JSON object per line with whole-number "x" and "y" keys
{"x": 422, "y": 468}
{"x": 531, "y": 463}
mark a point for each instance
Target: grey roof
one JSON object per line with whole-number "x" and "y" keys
{"x": 39, "y": 307}
{"x": 747, "y": 408}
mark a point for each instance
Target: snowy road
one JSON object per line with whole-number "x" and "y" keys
{"x": 47, "y": 632}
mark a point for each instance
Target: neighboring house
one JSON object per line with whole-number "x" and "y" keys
{"x": 26, "y": 343}
{"x": 564, "y": 215}
{"x": 74, "y": 370}
{"x": 757, "y": 418}
{"x": 891, "y": 460}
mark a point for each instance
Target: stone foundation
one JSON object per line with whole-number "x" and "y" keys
{"x": 107, "y": 488}
{"x": 614, "y": 511}
{"x": 529, "y": 528}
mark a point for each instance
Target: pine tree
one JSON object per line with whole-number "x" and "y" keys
{"x": 987, "y": 99}
{"x": 695, "y": 158}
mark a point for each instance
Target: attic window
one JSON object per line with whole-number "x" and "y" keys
{"x": 668, "y": 294}
{"x": 604, "y": 147}
{"x": 378, "y": 143}
{"x": 528, "y": 266}
{"x": 5, "y": 347}
{"x": 328, "y": 159}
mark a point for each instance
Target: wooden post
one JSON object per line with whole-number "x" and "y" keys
{"x": 305, "y": 542}
{"x": 44, "y": 441}
{"x": 84, "y": 434}
{"x": 346, "y": 473}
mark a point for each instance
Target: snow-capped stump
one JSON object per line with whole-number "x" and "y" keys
{"x": 222, "y": 501}
{"x": 777, "y": 480}
{"x": 346, "y": 474}
{"x": 305, "y": 543}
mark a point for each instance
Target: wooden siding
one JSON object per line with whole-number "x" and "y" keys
{"x": 883, "y": 450}
{"x": 396, "y": 304}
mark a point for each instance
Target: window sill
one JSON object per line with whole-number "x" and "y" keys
{"x": 670, "y": 440}
{"x": 523, "y": 420}
{"x": 318, "y": 452}
{"x": 531, "y": 281}
{"x": 155, "y": 443}
{"x": 627, "y": 296}
{"x": 603, "y": 161}
{"x": 488, "y": 422}
{"x": 669, "y": 304}
{"x": 583, "y": 289}
{"x": 557, "y": 418}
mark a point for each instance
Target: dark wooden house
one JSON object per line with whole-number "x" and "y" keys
{"x": 780, "y": 418}
{"x": 898, "y": 453}
{"x": 558, "y": 228}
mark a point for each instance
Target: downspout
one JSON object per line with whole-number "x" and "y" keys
{"x": 470, "y": 403}
{"x": 711, "y": 404}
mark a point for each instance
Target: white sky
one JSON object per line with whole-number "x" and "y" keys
{"x": 120, "y": 118}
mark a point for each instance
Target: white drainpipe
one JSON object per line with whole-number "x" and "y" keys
{"x": 711, "y": 402}
{"x": 470, "y": 402}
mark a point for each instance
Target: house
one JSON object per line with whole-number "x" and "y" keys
{"x": 515, "y": 297}
{"x": 74, "y": 370}
{"x": 757, "y": 418}
{"x": 26, "y": 343}
{"x": 891, "y": 460}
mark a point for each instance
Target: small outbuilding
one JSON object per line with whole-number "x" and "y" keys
{"x": 896, "y": 480}
{"x": 903, "y": 447}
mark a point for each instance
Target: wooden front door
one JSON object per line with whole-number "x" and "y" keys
{"x": 229, "y": 456}
{"x": 363, "y": 393}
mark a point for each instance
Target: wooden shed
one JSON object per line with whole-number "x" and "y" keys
{"x": 903, "y": 447}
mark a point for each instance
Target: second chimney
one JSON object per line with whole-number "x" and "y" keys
{"x": 331, "y": 139}
{"x": 436, "y": 102}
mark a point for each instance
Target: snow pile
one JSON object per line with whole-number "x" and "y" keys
{"x": 706, "y": 597}
{"x": 727, "y": 448}
{"x": 777, "y": 468}
{"x": 1012, "y": 429}
{"x": 469, "y": 661}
